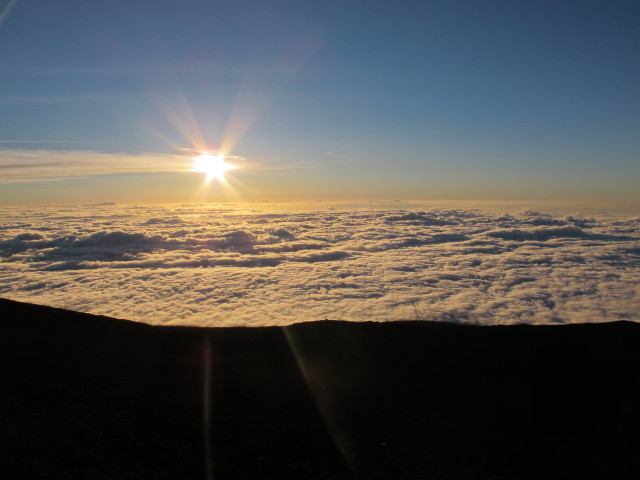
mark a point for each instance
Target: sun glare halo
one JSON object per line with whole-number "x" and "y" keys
{"x": 213, "y": 166}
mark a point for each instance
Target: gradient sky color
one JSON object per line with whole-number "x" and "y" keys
{"x": 109, "y": 101}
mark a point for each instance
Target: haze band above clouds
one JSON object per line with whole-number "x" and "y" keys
{"x": 244, "y": 265}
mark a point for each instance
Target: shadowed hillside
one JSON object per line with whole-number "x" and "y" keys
{"x": 83, "y": 396}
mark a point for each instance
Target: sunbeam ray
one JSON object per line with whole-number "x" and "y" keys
{"x": 5, "y": 13}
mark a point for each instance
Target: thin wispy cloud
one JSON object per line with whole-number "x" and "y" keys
{"x": 56, "y": 99}
{"x": 26, "y": 142}
{"x": 31, "y": 165}
{"x": 148, "y": 69}
{"x": 337, "y": 158}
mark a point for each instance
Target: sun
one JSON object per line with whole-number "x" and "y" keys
{"x": 214, "y": 166}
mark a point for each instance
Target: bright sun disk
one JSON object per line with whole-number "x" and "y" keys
{"x": 214, "y": 166}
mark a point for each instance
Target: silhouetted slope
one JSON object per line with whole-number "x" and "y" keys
{"x": 84, "y": 396}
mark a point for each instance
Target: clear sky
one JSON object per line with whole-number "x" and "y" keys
{"x": 110, "y": 100}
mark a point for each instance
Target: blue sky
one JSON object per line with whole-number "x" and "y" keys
{"x": 107, "y": 101}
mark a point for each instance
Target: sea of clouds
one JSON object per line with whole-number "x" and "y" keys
{"x": 262, "y": 264}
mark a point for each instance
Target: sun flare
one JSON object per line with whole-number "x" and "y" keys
{"x": 213, "y": 166}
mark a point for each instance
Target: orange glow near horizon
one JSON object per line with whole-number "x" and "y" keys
{"x": 213, "y": 166}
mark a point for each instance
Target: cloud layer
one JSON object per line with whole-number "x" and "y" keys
{"x": 18, "y": 165}
{"x": 249, "y": 265}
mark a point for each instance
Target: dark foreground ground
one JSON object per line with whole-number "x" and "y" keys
{"x": 90, "y": 397}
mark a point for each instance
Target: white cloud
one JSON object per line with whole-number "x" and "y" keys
{"x": 29, "y": 165}
{"x": 249, "y": 265}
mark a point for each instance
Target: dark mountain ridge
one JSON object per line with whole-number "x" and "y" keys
{"x": 85, "y": 396}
